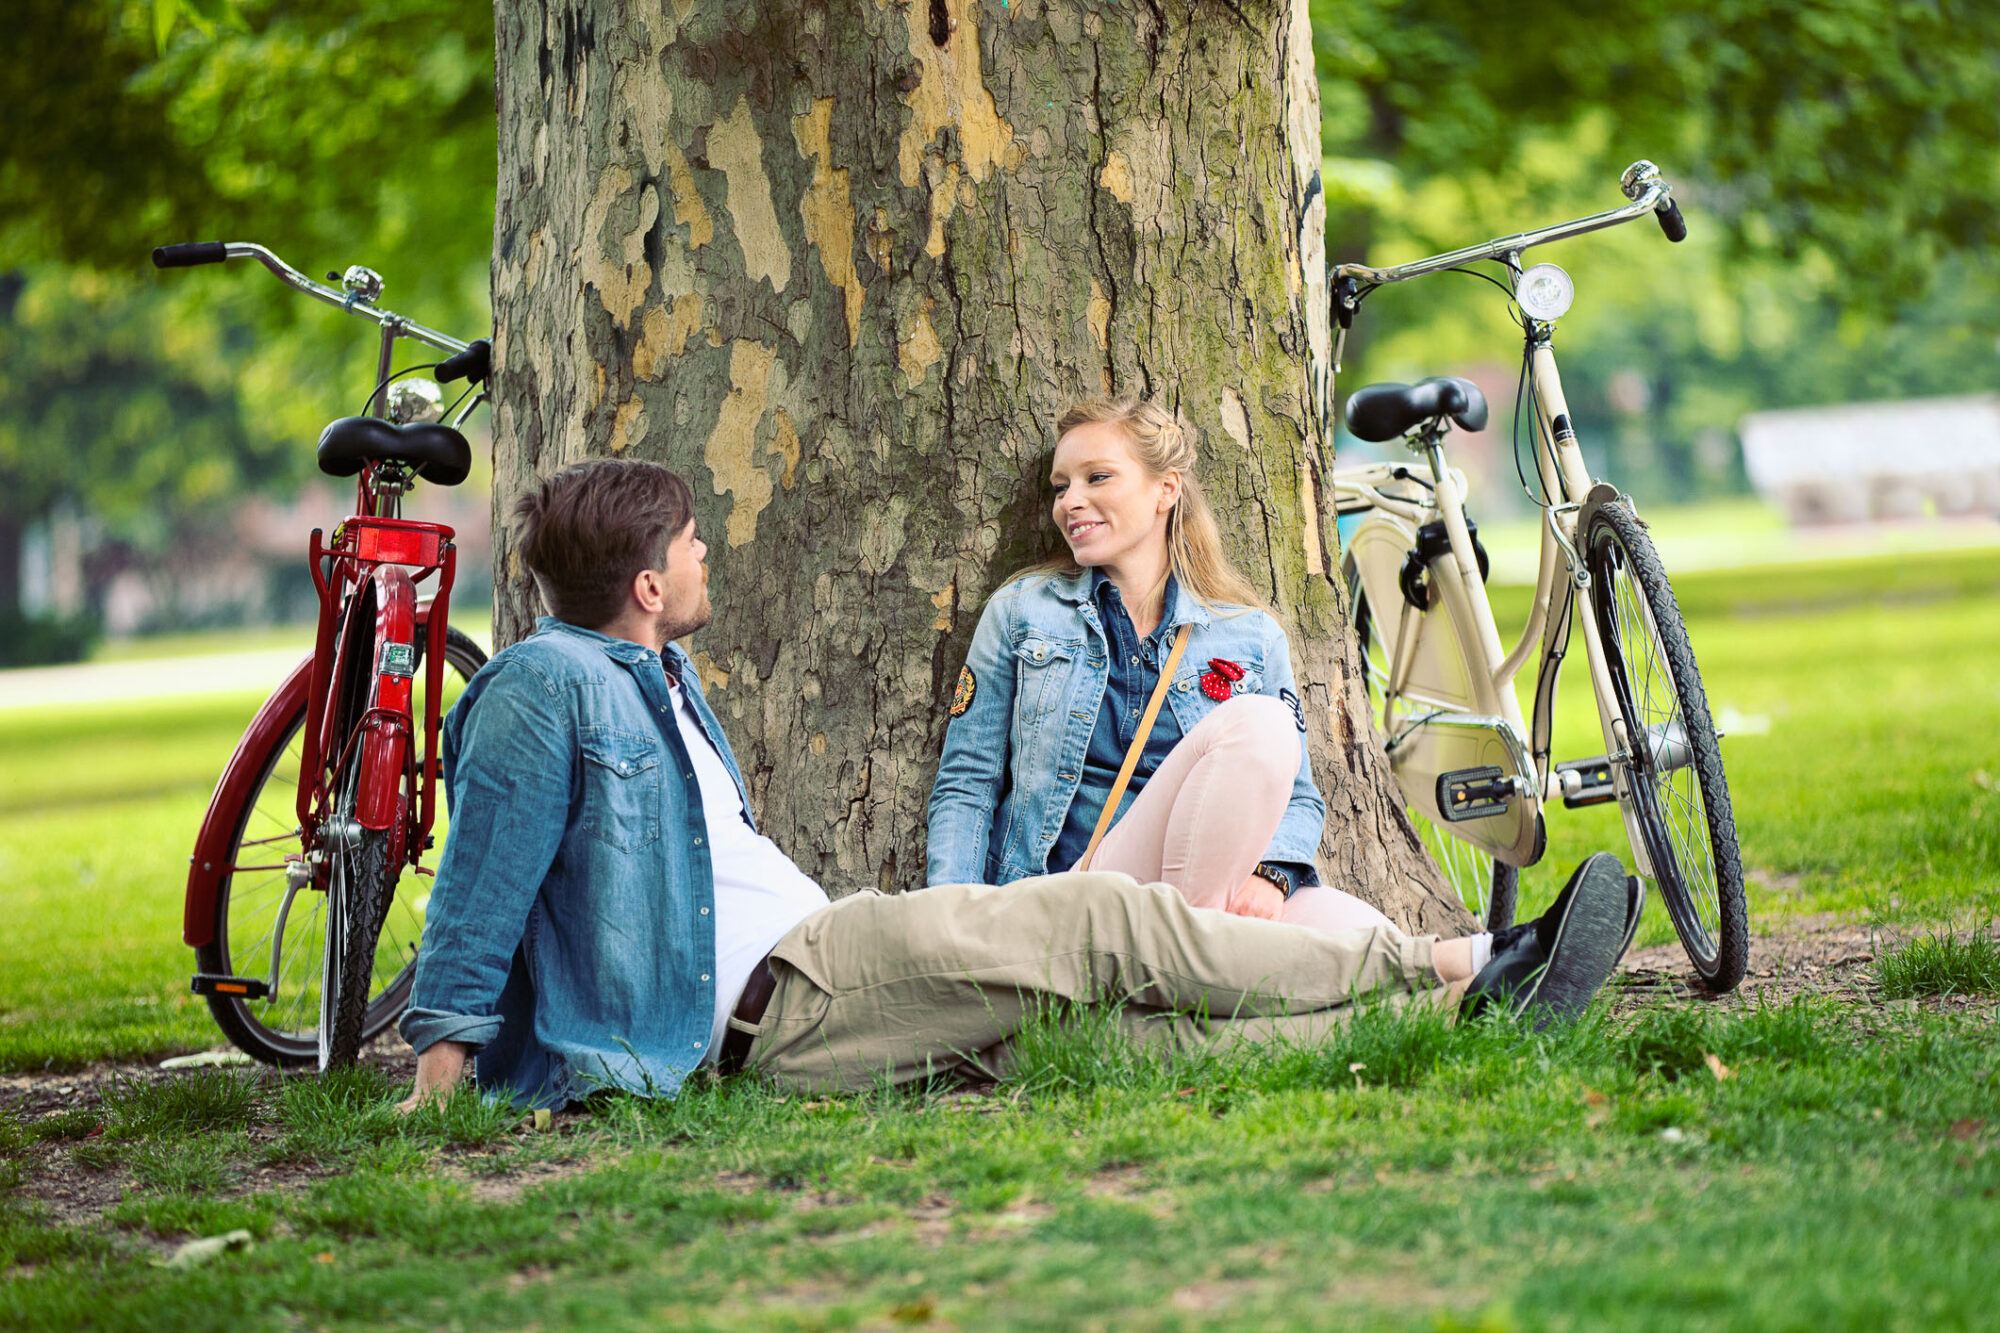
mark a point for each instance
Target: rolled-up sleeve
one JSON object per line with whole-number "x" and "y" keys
{"x": 972, "y": 773}
{"x": 509, "y": 756}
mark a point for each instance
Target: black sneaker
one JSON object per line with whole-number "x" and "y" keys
{"x": 1555, "y": 963}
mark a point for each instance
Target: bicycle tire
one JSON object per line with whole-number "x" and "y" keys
{"x": 284, "y": 1030}
{"x": 1488, "y": 888}
{"x": 360, "y": 881}
{"x": 1681, "y": 806}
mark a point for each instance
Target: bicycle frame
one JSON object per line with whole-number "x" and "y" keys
{"x": 1489, "y": 671}
{"x": 374, "y": 551}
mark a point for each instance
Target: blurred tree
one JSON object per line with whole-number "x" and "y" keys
{"x": 1837, "y": 162}
{"x": 349, "y": 132}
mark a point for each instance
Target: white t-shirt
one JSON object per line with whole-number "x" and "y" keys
{"x": 759, "y": 893}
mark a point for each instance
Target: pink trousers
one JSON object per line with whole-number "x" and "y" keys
{"x": 1205, "y": 818}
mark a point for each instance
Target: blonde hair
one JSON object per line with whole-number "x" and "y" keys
{"x": 1161, "y": 443}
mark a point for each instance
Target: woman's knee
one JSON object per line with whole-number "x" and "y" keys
{"x": 1260, "y": 726}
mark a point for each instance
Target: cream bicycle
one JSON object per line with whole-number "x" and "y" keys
{"x": 1478, "y": 775}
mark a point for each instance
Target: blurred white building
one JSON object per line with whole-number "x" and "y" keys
{"x": 1862, "y": 461}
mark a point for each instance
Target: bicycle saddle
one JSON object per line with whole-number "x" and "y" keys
{"x": 1385, "y": 411}
{"x": 438, "y": 453}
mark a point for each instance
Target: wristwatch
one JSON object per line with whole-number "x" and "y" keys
{"x": 1286, "y": 878}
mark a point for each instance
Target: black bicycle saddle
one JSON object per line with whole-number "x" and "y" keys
{"x": 438, "y": 453}
{"x": 1385, "y": 411}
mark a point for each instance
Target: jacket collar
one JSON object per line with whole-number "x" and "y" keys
{"x": 618, "y": 650}
{"x": 1076, "y": 589}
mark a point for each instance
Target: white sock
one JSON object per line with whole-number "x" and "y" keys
{"x": 1482, "y": 952}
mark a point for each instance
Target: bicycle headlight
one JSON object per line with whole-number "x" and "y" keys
{"x": 1545, "y": 292}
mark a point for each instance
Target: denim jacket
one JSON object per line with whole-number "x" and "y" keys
{"x": 1013, "y": 756}
{"x": 570, "y": 935}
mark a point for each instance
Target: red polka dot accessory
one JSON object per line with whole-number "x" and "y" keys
{"x": 1218, "y": 681}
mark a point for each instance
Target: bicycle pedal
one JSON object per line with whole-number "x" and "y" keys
{"x": 1586, "y": 782}
{"x": 214, "y": 983}
{"x": 1473, "y": 793}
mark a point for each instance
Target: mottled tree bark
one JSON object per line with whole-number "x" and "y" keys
{"x": 842, "y": 266}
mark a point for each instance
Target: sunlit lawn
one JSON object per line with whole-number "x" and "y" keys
{"x": 1409, "y": 1175}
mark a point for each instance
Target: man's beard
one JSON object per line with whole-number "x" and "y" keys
{"x": 670, "y": 630}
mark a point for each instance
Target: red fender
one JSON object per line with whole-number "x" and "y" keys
{"x": 385, "y": 742}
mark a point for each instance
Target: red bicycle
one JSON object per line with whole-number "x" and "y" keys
{"x": 331, "y": 794}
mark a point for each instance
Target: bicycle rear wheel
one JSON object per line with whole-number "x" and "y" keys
{"x": 1675, "y": 791}
{"x": 1489, "y": 888}
{"x": 252, "y": 912}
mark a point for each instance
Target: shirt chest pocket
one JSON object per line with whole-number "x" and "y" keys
{"x": 623, "y": 798}
{"x": 1042, "y": 668}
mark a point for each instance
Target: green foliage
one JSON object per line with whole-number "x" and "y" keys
{"x": 1869, "y": 131}
{"x": 38, "y": 640}
{"x": 1941, "y": 963}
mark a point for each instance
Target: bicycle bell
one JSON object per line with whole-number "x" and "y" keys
{"x": 1544, "y": 292}
{"x": 362, "y": 284}
{"x": 415, "y": 400}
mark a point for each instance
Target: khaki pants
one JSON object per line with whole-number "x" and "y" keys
{"x": 889, "y": 988}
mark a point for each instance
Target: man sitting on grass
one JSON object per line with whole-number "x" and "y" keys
{"x": 606, "y": 914}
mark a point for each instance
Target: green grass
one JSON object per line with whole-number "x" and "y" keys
{"x": 1840, "y": 1173}
{"x": 1941, "y": 963}
{"x": 1802, "y": 1166}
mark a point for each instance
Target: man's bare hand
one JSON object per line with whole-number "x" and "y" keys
{"x": 439, "y": 1068}
{"x": 1258, "y": 897}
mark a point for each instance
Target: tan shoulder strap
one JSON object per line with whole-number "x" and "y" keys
{"x": 1138, "y": 747}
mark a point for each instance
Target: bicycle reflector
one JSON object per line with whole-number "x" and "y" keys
{"x": 1544, "y": 292}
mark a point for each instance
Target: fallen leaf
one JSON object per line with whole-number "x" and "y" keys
{"x": 201, "y": 1251}
{"x": 1716, "y": 1067}
{"x": 1965, "y": 1129}
{"x": 323, "y": 1257}
{"x": 1592, "y": 1097}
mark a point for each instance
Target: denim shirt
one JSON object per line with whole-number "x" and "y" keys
{"x": 1134, "y": 670}
{"x": 570, "y": 935}
{"x": 1014, "y": 756}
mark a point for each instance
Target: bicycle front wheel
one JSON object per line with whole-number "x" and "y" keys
{"x": 1486, "y": 886}
{"x": 259, "y": 919}
{"x": 1675, "y": 795}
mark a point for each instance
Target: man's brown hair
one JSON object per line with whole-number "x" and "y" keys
{"x": 588, "y": 531}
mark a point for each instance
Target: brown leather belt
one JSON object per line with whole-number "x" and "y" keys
{"x": 749, "y": 1009}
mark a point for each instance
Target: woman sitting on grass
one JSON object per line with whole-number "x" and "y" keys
{"x": 1220, "y": 802}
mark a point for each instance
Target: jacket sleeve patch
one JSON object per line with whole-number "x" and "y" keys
{"x": 968, "y": 687}
{"x": 1292, "y": 702}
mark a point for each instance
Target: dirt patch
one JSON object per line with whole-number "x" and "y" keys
{"x": 1822, "y": 956}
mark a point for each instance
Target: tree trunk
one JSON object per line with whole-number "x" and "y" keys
{"x": 842, "y": 266}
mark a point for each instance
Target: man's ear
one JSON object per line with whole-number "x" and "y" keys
{"x": 649, "y": 592}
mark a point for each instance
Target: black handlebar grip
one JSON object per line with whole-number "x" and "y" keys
{"x": 472, "y": 364}
{"x": 190, "y": 254}
{"x": 1671, "y": 221}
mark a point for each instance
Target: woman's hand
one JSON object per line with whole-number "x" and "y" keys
{"x": 1258, "y": 897}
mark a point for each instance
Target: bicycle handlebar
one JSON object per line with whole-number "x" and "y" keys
{"x": 190, "y": 254}
{"x": 354, "y": 303}
{"x": 1642, "y": 185}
